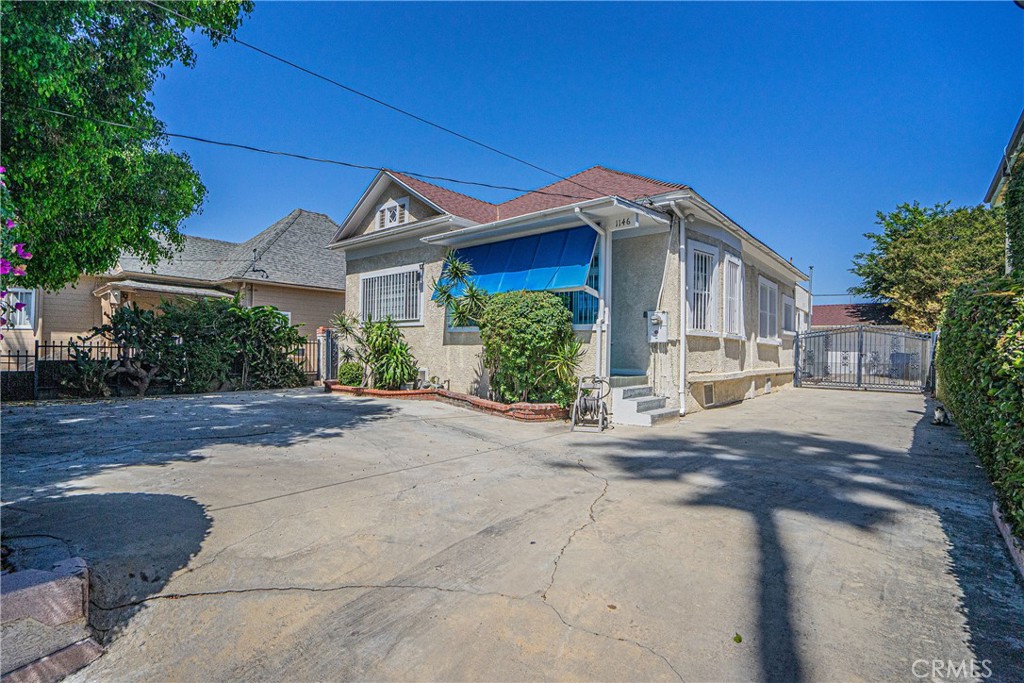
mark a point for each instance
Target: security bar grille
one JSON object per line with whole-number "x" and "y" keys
{"x": 392, "y": 295}
{"x": 703, "y": 265}
{"x": 732, "y": 297}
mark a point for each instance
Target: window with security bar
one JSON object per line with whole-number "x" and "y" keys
{"x": 395, "y": 294}
{"x": 701, "y": 276}
{"x": 733, "y": 296}
{"x": 768, "y": 310}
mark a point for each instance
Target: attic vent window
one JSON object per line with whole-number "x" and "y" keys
{"x": 393, "y": 212}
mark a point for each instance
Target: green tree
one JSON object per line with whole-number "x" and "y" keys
{"x": 922, "y": 254}
{"x": 88, "y": 191}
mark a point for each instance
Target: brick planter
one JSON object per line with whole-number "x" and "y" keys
{"x": 525, "y": 412}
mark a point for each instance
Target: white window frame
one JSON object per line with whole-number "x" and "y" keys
{"x": 14, "y": 295}
{"x": 286, "y": 314}
{"x": 739, "y": 332}
{"x": 369, "y": 275}
{"x": 764, "y": 284}
{"x": 401, "y": 217}
{"x": 713, "y": 328}
{"x": 788, "y": 301}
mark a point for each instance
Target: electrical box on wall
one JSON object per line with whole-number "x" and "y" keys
{"x": 657, "y": 326}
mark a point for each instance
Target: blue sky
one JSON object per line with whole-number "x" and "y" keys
{"x": 798, "y": 120}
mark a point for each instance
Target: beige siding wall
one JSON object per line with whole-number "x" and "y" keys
{"x": 309, "y": 308}
{"x": 60, "y": 316}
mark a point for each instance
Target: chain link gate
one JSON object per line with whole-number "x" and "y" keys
{"x": 865, "y": 357}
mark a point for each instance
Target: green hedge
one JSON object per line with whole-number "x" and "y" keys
{"x": 981, "y": 370}
{"x": 1015, "y": 215}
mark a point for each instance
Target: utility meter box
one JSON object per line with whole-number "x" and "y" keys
{"x": 657, "y": 326}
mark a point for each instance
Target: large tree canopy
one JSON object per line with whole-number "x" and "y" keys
{"x": 923, "y": 254}
{"x": 86, "y": 191}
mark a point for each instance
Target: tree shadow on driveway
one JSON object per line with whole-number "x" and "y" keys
{"x": 769, "y": 473}
{"x": 48, "y": 446}
{"x": 131, "y": 542}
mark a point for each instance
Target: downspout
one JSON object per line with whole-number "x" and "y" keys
{"x": 681, "y": 218}
{"x": 600, "y": 356}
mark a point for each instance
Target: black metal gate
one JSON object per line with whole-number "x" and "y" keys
{"x": 865, "y": 357}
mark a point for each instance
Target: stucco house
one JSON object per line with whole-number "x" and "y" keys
{"x": 681, "y": 307}
{"x": 287, "y": 266}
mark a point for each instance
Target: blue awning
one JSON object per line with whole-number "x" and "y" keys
{"x": 557, "y": 260}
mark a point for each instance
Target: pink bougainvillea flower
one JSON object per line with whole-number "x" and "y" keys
{"x": 2, "y": 169}
{"x": 5, "y": 266}
{"x": 9, "y": 224}
{"x": 19, "y": 249}
{"x": 19, "y": 306}
{"x": 3, "y": 320}
{"x": 3, "y": 293}
{"x": 18, "y": 271}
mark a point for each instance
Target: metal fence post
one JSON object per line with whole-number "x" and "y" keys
{"x": 796, "y": 360}
{"x": 35, "y": 374}
{"x": 860, "y": 356}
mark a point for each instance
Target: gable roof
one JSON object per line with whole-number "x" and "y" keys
{"x": 594, "y": 182}
{"x": 292, "y": 251}
{"x": 828, "y": 315}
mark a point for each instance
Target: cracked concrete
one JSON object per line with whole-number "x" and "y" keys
{"x": 306, "y": 536}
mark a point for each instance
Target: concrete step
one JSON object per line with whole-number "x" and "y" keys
{"x": 620, "y": 381}
{"x": 646, "y": 404}
{"x": 638, "y": 406}
{"x": 633, "y": 392}
{"x": 663, "y": 415}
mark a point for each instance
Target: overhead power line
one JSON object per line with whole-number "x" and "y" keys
{"x": 371, "y": 98}
{"x": 304, "y": 157}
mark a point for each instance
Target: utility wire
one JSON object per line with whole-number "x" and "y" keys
{"x": 304, "y": 157}
{"x": 371, "y": 98}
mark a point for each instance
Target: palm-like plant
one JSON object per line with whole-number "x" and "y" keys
{"x": 457, "y": 293}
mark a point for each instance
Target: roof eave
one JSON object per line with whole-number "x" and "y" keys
{"x": 511, "y": 227}
{"x": 392, "y": 234}
{"x": 1013, "y": 148}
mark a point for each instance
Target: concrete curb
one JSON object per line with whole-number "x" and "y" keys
{"x": 1012, "y": 543}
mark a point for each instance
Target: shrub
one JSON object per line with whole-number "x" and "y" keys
{"x": 981, "y": 369}
{"x": 379, "y": 349}
{"x": 525, "y": 336}
{"x": 350, "y": 374}
{"x": 197, "y": 346}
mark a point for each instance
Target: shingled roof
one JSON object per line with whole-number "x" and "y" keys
{"x": 592, "y": 183}
{"x": 834, "y": 315}
{"x": 292, "y": 251}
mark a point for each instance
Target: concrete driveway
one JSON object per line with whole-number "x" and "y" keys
{"x": 304, "y": 536}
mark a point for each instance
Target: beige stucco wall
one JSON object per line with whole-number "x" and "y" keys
{"x": 642, "y": 266}
{"x": 417, "y": 211}
{"x": 309, "y": 308}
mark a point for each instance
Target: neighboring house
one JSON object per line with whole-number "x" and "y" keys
{"x": 842, "y": 315}
{"x": 996, "y": 194}
{"x": 287, "y": 266}
{"x": 609, "y": 244}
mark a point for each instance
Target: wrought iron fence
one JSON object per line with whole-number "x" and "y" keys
{"x": 38, "y": 372}
{"x": 865, "y": 357}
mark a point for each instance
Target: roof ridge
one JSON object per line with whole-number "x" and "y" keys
{"x": 441, "y": 187}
